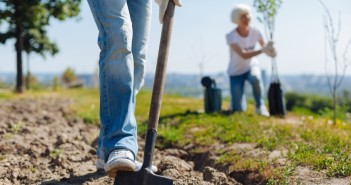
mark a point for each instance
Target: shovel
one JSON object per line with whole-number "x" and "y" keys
{"x": 145, "y": 176}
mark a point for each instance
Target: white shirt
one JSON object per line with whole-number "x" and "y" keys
{"x": 238, "y": 65}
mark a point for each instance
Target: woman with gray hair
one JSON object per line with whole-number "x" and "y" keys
{"x": 243, "y": 65}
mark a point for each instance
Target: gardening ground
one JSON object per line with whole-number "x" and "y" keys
{"x": 50, "y": 138}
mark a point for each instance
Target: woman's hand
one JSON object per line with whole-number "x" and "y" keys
{"x": 269, "y": 49}
{"x": 163, "y": 7}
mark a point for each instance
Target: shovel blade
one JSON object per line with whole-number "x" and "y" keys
{"x": 142, "y": 177}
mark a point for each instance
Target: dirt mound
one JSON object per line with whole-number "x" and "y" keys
{"x": 41, "y": 142}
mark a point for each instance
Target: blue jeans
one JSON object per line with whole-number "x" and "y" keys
{"x": 237, "y": 83}
{"x": 124, "y": 27}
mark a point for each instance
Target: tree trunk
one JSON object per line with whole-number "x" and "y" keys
{"x": 334, "y": 107}
{"x": 19, "y": 48}
{"x": 28, "y": 74}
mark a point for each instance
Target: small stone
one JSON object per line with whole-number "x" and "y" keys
{"x": 7, "y": 165}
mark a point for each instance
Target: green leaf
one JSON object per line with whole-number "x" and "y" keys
{"x": 267, "y": 9}
{"x": 35, "y": 16}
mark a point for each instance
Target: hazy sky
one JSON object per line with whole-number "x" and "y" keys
{"x": 199, "y": 35}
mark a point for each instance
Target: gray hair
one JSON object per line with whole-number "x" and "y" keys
{"x": 238, "y": 11}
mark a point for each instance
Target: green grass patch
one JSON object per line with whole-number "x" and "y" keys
{"x": 239, "y": 162}
{"x": 313, "y": 142}
{"x": 6, "y": 95}
{"x": 33, "y": 169}
{"x": 280, "y": 175}
{"x": 56, "y": 153}
{"x": 86, "y": 103}
{"x": 17, "y": 128}
{"x": 206, "y": 129}
{"x": 324, "y": 147}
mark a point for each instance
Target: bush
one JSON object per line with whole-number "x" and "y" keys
{"x": 294, "y": 100}
{"x": 314, "y": 103}
{"x": 69, "y": 76}
{"x": 32, "y": 82}
{"x": 319, "y": 104}
{"x": 345, "y": 100}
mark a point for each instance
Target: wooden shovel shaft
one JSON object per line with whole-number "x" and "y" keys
{"x": 158, "y": 88}
{"x": 145, "y": 176}
{"x": 160, "y": 75}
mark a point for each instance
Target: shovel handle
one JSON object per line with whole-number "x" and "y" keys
{"x": 160, "y": 75}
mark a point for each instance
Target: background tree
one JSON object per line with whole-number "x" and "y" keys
{"x": 36, "y": 41}
{"x": 339, "y": 68}
{"x": 27, "y": 22}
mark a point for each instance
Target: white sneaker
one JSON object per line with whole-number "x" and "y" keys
{"x": 119, "y": 160}
{"x": 262, "y": 111}
{"x": 100, "y": 163}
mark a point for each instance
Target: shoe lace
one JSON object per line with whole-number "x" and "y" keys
{"x": 124, "y": 153}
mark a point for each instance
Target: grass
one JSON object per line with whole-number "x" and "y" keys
{"x": 86, "y": 104}
{"x": 33, "y": 169}
{"x": 56, "y": 153}
{"x": 313, "y": 142}
{"x": 6, "y": 95}
{"x": 17, "y": 128}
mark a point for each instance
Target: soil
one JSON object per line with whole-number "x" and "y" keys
{"x": 42, "y": 142}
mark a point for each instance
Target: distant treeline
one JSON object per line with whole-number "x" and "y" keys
{"x": 189, "y": 84}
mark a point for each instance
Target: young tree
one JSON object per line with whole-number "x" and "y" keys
{"x": 27, "y": 22}
{"x": 200, "y": 56}
{"x": 35, "y": 84}
{"x": 268, "y": 10}
{"x": 56, "y": 84}
{"x": 339, "y": 68}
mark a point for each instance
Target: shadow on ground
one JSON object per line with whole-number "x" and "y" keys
{"x": 76, "y": 179}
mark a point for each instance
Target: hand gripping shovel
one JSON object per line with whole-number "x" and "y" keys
{"x": 145, "y": 176}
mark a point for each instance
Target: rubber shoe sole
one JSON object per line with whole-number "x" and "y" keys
{"x": 100, "y": 166}
{"x": 120, "y": 164}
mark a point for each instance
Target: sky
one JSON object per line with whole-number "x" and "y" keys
{"x": 198, "y": 37}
